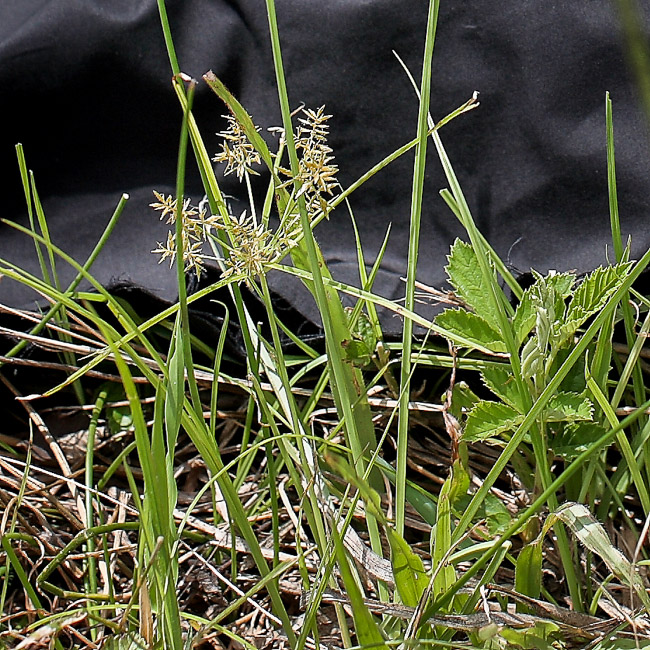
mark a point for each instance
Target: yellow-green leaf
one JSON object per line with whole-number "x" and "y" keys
{"x": 410, "y": 577}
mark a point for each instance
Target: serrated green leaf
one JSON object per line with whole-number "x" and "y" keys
{"x": 525, "y": 317}
{"x": 554, "y": 283}
{"x": 568, "y": 407}
{"x": 576, "y": 437}
{"x": 568, "y": 329}
{"x": 497, "y": 516}
{"x": 410, "y": 576}
{"x": 489, "y": 419}
{"x": 471, "y": 327}
{"x": 464, "y": 276}
{"x": 500, "y": 381}
{"x": 561, "y": 283}
{"x": 594, "y": 291}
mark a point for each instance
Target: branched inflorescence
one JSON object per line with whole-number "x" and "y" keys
{"x": 252, "y": 246}
{"x": 236, "y": 150}
{"x": 194, "y": 228}
{"x": 317, "y": 172}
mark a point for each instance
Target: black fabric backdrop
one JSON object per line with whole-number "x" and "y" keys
{"x": 85, "y": 86}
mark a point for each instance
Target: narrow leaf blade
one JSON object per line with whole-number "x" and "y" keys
{"x": 410, "y": 576}
{"x": 591, "y": 533}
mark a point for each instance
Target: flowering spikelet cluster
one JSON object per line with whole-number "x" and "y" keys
{"x": 194, "y": 227}
{"x": 317, "y": 172}
{"x": 253, "y": 247}
{"x": 236, "y": 150}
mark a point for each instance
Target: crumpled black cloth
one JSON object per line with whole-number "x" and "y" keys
{"x": 85, "y": 86}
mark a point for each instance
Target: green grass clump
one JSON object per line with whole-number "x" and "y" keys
{"x": 538, "y": 380}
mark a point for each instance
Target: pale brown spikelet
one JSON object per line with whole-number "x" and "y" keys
{"x": 194, "y": 224}
{"x": 236, "y": 150}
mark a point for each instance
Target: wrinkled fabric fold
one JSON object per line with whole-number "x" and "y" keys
{"x": 86, "y": 88}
